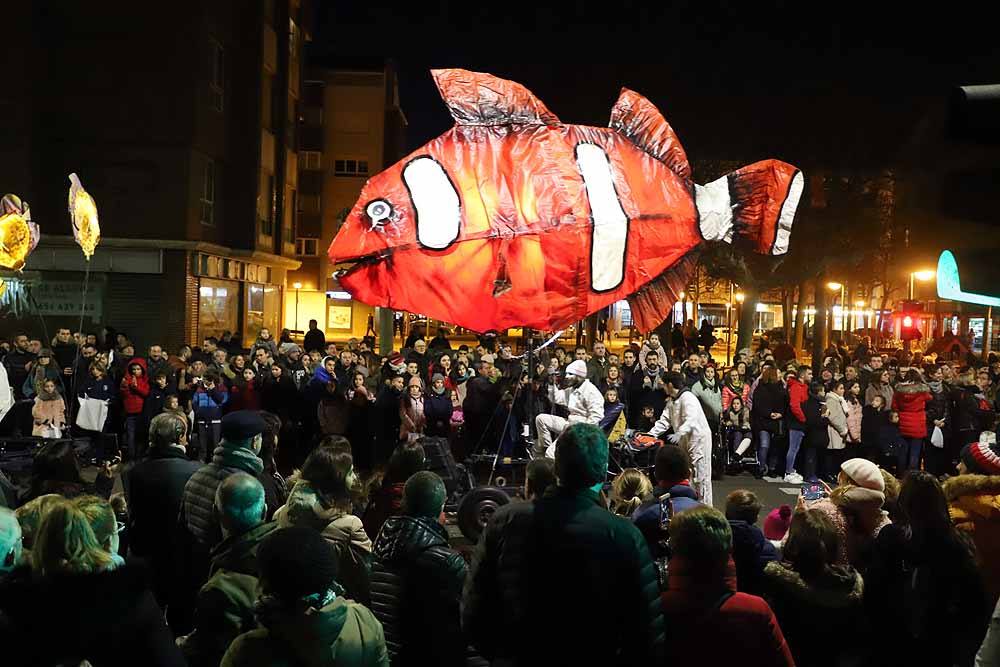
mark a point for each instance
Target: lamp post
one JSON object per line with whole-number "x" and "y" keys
{"x": 739, "y": 296}
{"x": 923, "y": 276}
{"x": 729, "y": 324}
{"x": 297, "y": 287}
{"x": 835, "y": 287}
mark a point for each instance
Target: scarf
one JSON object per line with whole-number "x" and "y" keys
{"x": 735, "y": 387}
{"x": 437, "y": 391}
{"x": 936, "y": 387}
{"x": 49, "y": 396}
{"x": 237, "y": 457}
{"x": 710, "y": 385}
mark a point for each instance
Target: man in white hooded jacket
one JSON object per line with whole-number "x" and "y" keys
{"x": 583, "y": 400}
{"x": 683, "y": 412}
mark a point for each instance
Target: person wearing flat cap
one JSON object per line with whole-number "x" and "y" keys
{"x": 580, "y": 397}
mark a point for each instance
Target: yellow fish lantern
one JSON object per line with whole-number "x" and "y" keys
{"x": 83, "y": 213}
{"x": 18, "y": 234}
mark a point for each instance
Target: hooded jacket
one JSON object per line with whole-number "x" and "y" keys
{"x": 225, "y": 607}
{"x": 823, "y": 618}
{"x": 341, "y": 634}
{"x": 344, "y": 531}
{"x": 974, "y": 506}
{"x": 134, "y": 394}
{"x": 910, "y": 401}
{"x": 416, "y": 591}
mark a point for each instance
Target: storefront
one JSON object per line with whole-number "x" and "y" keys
{"x": 238, "y": 296}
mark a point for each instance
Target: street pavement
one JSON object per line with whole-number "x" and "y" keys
{"x": 770, "y": 494}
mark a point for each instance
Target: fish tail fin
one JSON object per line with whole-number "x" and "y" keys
{"x": 757, "y": 202}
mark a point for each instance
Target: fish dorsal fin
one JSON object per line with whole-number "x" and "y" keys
{"x": 474, "y": 98}
{"x": 643, "y": 124}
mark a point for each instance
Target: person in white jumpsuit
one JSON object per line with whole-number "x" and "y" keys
{"x": 684, "y": 414}
{"x": 583, "y": 400}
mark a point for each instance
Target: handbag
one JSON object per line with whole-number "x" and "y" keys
{"x": 92, "y": 415}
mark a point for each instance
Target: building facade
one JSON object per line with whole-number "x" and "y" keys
{"x": 182, "y": 122}
{"x": 352, "y": 129}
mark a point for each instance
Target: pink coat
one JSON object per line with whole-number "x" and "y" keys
{"x": 728, "y": 395}
{"x": 53, "y": 412}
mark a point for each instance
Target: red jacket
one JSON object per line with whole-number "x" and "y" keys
{"x": 243, "y": 398}
{"x": 909, "y": 400}
{"x": 134, "y": 395}
{"x": 798, "y": 393}
{"x": 741, "y": 631}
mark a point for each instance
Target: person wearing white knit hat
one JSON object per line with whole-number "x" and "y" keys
{"x": 580, "y": 397}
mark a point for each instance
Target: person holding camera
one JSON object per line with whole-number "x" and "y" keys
{"x": 207, "y": 402}
{"x": 580, "y": 397}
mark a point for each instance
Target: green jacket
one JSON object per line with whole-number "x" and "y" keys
{"x": 341, "y": 634}
{"x": 226, "y": 601}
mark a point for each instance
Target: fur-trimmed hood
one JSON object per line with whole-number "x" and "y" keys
{"x": 971, "y": 485}
{"x": 839, "y": 588}
{"x": 914, "y": 388}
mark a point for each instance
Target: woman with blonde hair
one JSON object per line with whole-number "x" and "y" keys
{"x": 104, "y": 523}
{"x": 628, "y": 491}
{"x": 66, "y": 544}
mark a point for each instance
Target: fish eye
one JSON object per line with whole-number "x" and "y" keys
{"x": 379, "y": 210}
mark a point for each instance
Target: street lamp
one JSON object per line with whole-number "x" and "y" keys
{"x": 923, "y": 276}
{"x": 297, "y": 287}
{"x": 834, "y": 286}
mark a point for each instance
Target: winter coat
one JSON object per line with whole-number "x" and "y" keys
{"x": 198, "y": 506}
{"x": 640, "y": 395}
{"x": 798, "y": 393}
{"x": 280, "y": 397}
{"x": 751, "y": 552}
{"x": 817, "y": 432}
{"x": 910, "y": 400}
{"x": 243, "y": 396}
{"x": 872, "y": 424}
{"x": 417, "y": 584}
{"x": 411, "y": 417}
{"x": 769, "y": 397}
{"x": 207, "y": 405}
{"x": 939, "y": 407}
{"x": 344, "y": 531}
{"x": 103, "y": 389}
{"x": 563, "y": 552}
{"x": 737, "y": 420}
{"x": 854, "y": 421}
{"x": 437, "y": 413}
{"x": 974, "y": 506}
{"x": 46, "y": 414}
{"x": 225, "y": 607}
{"x": 314, "y": 339}
{"x": 113, "y": 617}
{"x": 712, "y": 624}
{"x": 711, "y": 399}
{"x": 928, "y": 595}
{"x": 154, "y": 489}
{"x": 17, "y": 363}
{"x": 134, "y": 390}
{"x": 837, "y": 416}
{"x": 341, "y": 634}
{"x": 731, "y": 391}
{"x": 597, "y": 370}
{"x": 155, "y": 401}
{"x": 858, "y": 516}
{"x": 822, "y": 619}
{"x": 334, "y": 414}
{"x": 482, "y": 397}
{"x": 385, "y": 502}
{"x": 972, "y": 411}
{"x": 648, "y": 515}
{"x": 878, "y": 389}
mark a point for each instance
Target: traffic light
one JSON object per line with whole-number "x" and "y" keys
{"x": 909, "y": 330}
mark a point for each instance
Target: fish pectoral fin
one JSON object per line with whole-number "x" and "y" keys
{"x": 475, "y": 98}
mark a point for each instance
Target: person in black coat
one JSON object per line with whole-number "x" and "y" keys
{"x": 751, "y": 550}
{"x": 279, "y": 396}
{"x": 154, "y": 489}
{"x": 438, "y": 409}
{"x": 107, "y": 618}
{"x": 387, "y": 420}
{"x": 817, "y": 438}
{"x": 554, "y": 569}
{"x": 646, "y": 388}
{"x": 314, "y": 339}
{"x": 768, "y": 414}
{"x": 417, "y": 580}
{"x": 874, "y": 422}
{"x": 481, "y": 400}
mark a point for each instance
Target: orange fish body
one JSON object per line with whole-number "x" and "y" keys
{"x": 512, "y": 218}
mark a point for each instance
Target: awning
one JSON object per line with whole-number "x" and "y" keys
{"x": 969, "y": 276}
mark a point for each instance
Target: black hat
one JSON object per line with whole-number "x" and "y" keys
{"x": 296, "y": 561}
{"x": 242, "y": 425}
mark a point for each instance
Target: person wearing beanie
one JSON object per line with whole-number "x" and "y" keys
{"x": 776, "y": 523}
{"x": 855, "y": 508}
{"x": 974, "y": 504}
{"x": 582, "y": 558}
{"x": 581, "y": 399}
{"x": 438, "y": 408}
{"x": 304, "y": 617}
{"x": 411, "y": 411}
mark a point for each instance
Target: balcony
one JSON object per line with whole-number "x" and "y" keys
{"x": 310, "y": 138}
{"x": 311, "y": 182}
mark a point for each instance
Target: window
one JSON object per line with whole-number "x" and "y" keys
{"x": 310, "y": 160}
{"x": 307, "y": 247}
{"x": 267, "y": 222}
{"x": 218, "y": 80}
{"x": 208, "y": 194}
{"x": 350, "y": 167}
{"x": 218, "y": 306}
